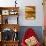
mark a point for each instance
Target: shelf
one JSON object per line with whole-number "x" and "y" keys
{"x": 11, "y": 41}
{"x": 10, "y": 26}
{"x": 12, "y": 19}
{"x": 7, "y": 12}
{"x": 5, "y": 8}
{"x": 7, "y": 16}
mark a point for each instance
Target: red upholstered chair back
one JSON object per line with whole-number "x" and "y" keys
{"x": 29, "y": 33}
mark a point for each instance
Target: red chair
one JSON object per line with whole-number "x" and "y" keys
{"x": 29, "y": 33}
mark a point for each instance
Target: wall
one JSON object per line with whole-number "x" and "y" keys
{"x": 22, "y": 21}
{"x": 39, "y": 14}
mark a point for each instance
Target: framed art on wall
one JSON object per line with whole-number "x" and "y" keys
{"x": 13, "y": 12}
{"x": 30, "y": 12}
{"x": 5, "y": 12}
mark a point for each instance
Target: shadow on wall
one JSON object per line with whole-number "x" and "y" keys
{"x": 37, "y": 29}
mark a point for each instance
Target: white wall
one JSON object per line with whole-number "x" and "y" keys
{"x": 39, "y": 13}
{"x": 22, "y": 3}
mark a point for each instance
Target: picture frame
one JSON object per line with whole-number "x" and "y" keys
{"x": 5, "y": 12}
{"x": 13, "y": 12}
{"x": 30, "y": 13}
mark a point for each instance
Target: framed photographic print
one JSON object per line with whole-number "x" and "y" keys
{"x": 30, "y": 12}
{"x": 13, "y": 12}
{"x": 5, "y": 12}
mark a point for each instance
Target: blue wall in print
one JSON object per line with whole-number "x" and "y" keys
{"x": 37, "y": 29}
